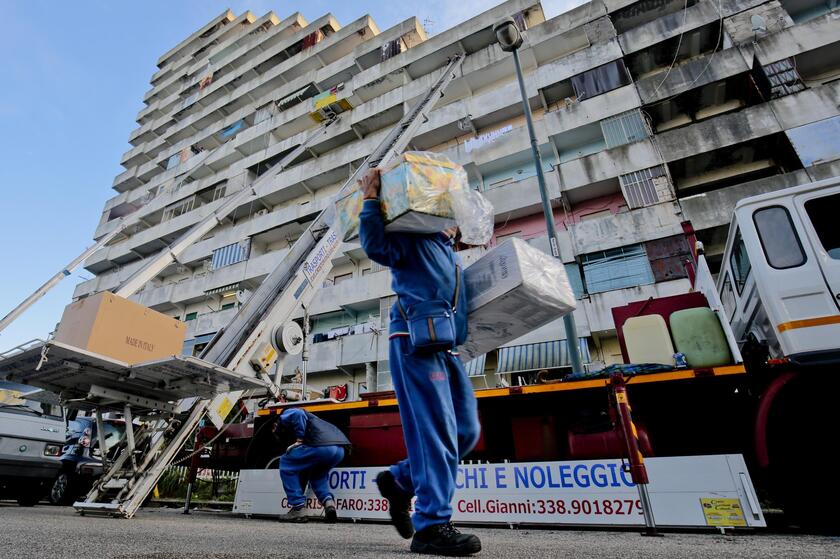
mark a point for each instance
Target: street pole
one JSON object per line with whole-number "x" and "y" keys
{"x": 551, "y": 229}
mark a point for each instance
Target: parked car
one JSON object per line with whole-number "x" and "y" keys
{"x": 31, "y": 440}
{"x": 81, "y": 459}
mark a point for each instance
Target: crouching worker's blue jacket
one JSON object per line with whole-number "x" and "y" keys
{"x": 422, "y": 266}
{"x": 312, "y": 430}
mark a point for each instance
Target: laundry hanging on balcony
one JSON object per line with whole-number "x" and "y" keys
{"x": 391, "y": 48}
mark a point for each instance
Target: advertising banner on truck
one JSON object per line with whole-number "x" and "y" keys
{"x": 685, "y": 491}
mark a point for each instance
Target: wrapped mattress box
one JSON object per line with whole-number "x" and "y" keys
{"x": 416, "y": 195}
{"x": 512, "y": 290}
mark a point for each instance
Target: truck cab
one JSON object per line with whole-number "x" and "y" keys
{"x": 31, "y": 438}
{"x": 780, "y": 276}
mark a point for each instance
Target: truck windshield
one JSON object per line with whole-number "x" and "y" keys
{"x": 823, "y": 215}
{"x": 13, "y": 400}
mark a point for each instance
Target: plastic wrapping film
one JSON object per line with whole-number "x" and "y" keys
{"x": 512, "y": 290}
{"x": 423, "y": 192}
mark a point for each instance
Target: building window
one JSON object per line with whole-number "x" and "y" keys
{"x": 180, "y": 208}
{"x": 823, "y": 213}
{"x": 226, "y": 306}
{"x": 365, "y": 271}
{"x": 219, "y": 192}
{"x": 645, "y": 187}
{"x": 778, "y": 238}
{"x": 739, "y": 262}
{"x": 190, "y": 316}
{"x": 230, "y": 254}
{"x": 624, "y": 128}
{"x": 616, "y": 269}
{"x": 600, "y": 80}
{"x": 342, "y": 278}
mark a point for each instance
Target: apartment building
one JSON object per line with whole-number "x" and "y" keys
{"x": 654, "y": 118}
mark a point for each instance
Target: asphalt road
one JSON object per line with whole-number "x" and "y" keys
{"x": 58, "y": 533}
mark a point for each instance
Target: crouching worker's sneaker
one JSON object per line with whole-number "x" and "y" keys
{"x": 444, "y": 539}
{"x": 329, "y": 512}
{"x": 295, "y": 514}
{"x": 399, "y": 503}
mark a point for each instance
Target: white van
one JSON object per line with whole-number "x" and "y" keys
{"x": 32, "y": 435}
{"x": 779, "y": 281}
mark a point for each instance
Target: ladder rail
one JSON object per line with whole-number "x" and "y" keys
{"x": 60, "y": 275}
{"x": 170, "y": 254}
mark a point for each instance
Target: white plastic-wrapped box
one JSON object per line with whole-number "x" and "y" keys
{"x": 512, "y": 290}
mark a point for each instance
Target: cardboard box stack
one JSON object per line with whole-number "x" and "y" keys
{"x": 415, "y": 195}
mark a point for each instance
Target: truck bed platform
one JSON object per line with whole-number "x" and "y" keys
{"x": 670, "y": 376}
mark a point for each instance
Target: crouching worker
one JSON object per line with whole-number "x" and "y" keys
{"x": 436, "y": 401}
{"x": 318, "y": 447}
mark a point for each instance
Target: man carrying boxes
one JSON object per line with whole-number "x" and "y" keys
{"x": 436, "y": 401}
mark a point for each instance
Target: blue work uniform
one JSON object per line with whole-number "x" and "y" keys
{"x": 322, "y": 449}
{"x": 436, "y": 400}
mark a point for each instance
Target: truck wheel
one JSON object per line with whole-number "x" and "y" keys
{"x": 30, "y": 499}
{"x": 801, "y": 457}
{"x": 62, "y": 492}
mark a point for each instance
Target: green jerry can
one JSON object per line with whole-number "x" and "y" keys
{"x": 698, "y": 334}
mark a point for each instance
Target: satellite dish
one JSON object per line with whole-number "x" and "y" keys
{"x": 288, "y": 338}
{"x": 758, "y": 24}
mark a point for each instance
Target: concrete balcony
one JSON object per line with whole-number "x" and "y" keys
{"x": 808, "y": 36}
{"x": 209, "y": 323}
{"x": 692, "y": 75}
{"x": 717, "y": 132}
{"x": 634, "y": 226}
{"x": 353, "y": 293}
{"x": 192, "y": 290}
{"x": 580, "y": 176}
{"x": 715, "y": 208}
{"x": 120, "y": 253}
{"x": 592, "y": 110}
{"x": 345, "y": 351}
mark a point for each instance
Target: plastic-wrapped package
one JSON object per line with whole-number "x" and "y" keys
{"x": 348, "y": 208}
{"x": 512, "y": 290}
{"x": 474, "y": 215}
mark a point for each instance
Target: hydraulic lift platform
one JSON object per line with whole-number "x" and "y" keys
{"x": 88, "y": 380}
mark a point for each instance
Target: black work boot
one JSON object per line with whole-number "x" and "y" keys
{"x": 295, "y": 514}
{"x": 399, "y": 503}
{"x": 445, "y": 539}
{"x": 329, "y": 511}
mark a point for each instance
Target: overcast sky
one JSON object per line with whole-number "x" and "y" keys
{"x": 75, "y": 74}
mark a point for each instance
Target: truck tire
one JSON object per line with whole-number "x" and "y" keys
{"x": 801, "y": 458}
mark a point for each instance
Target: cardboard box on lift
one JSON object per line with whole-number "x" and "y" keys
{"x": 120, "y": 329}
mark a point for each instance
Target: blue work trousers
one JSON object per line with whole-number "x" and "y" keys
{"x": 308, "y": 463}
{"x": 440, "y": 425}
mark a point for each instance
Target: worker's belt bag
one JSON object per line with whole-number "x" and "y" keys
{"x": 431, "y": 324}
